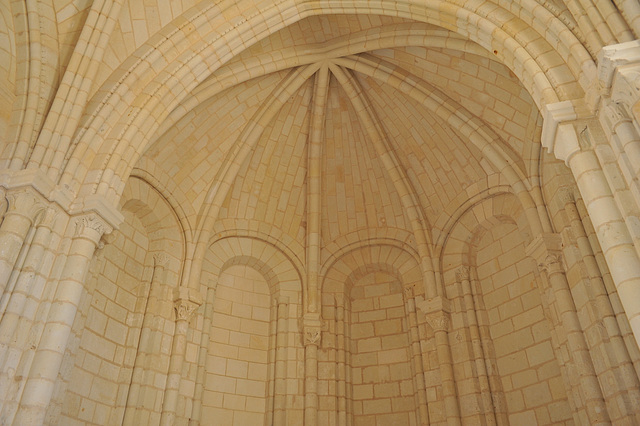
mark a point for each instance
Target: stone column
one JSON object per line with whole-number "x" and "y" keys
{"x": 48, "y": 357}
{"x": 273, "y": 339}
{"x": 617, "y": 375}
{"x": 14, "y": 326}
{"x": 196, "y": 411}
{"x": 561, "y": 136}
{"x": 341, "y": 370}
{"x": 312, "y": 335}
{"x": 545, "y": 249}
{"x": 416, "y": 355}
{"x": 625, "y": 143}
{"x": 463, "y": 278}
{"x": 437, "y": 316}
{"x": 137, "y": 376}
{"x": 3, "y": 202}
{"x": 347, "y": 361}
{"x": 186, "y": 301}
{"x": 23, "y": 206}
{"x": 280, "y": 369}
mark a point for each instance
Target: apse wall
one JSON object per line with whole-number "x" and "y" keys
{"x": 109, "y": 328}
{"x": 381, "y": 373}
{"x": 236, "y": 385}
{"x": 533, "y": 387}
{"x": 250, "y": 362}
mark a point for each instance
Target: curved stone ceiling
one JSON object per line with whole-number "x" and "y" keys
{"x": 384, "y": 128}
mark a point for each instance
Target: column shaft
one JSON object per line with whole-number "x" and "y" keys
{"x": 476, "y": 342}
{"x": 186, "y": 302}
{"x": 341, "y": 372}
{"x": 589, "y": 386}
{"x": 618, "y": 248}
{"x": 46, "y": 363}
{"x": 617, "y": 356}
{"x": 416, "y": 357}
{"x": 311, "y": 384}
{"x": 196, "y": 411}
{"x": 14, "y": 326}
{"x": 280, "y": 387}
{"x": 24, "y": 206}
{"x": 137, "y": 376}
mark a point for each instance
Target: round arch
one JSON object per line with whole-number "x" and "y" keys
{"x": 116, "y": 120}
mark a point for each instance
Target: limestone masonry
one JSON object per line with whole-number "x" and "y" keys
{"x": 320, "y": 213}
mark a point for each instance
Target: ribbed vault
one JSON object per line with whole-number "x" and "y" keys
{"x": 319, "y": 212}
{"x": 356, "y": 131}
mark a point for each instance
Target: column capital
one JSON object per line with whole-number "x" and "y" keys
{"x": 49, "y": 216}
{"x": 567, "y": 194}
{"x": 463, "y": 273}
{"x": 91, "y": 226}
{"x": 25, "y": 202}
{"x": 312, "y": 329}
{"x": 436, "y": 311}
{"x": 98, "y": 205}
{"x": 546, "y": 251}
{"x": 312, "y": 336}
{"x": 439, "y": 321}
{"x": 565, "y": 128}
{"x": 185, "y": 301}
{"x": 409, "y": 291}
{"x": 160, "y": 259}
{"x": 619, "y": 84}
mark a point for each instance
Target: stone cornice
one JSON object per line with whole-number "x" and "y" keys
{"x": 614, "y": 56}
{"x": 37, "y": 180}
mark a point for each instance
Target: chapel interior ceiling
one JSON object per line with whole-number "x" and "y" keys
{"x": 262, "y": 99}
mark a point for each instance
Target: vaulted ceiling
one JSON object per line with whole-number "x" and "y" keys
{"x": 389, "y": 124}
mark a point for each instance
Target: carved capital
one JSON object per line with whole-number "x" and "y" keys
{"x": 612, "y": 114}
{"x": 566, "y": 195}
{"x": 160, "y": 260}
{"x": 409, "y": 292}
{"x": 435, "y": 306}
{"x": 551, "y": 264}
{"x": 462, "y": 274}
{"x": 439, "y": 321}
{"x": 312, "y": 328}
{"x": 312, "y": 336}
{"x": 91, "y": 226}
{"x": 184, "y": 309}
{"x": 546, "y": 251}
{"x": 25, "y": 203}
{"x": 49, "y": 217}
{"x": 626, "y": 87}
{"x": 186, "y": 301}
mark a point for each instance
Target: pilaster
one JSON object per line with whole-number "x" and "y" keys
{"x": 186, "y": 301}
{"x": 546, "y": 250}
{"x": 437, "y": 312}
{"x": 312, "y": 333}
{"x": 45, "y": 367}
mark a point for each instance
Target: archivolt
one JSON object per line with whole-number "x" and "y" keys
{"x": 385, "y": 256}
{"x": 166, "y": 231}
{"x": 274, "y": 265}
{"x": 474, "y": 218}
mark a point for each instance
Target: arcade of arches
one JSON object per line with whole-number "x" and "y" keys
{"x": 317, "y": 212}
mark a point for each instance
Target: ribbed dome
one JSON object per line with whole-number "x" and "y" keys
{"x": 384, "y": 128}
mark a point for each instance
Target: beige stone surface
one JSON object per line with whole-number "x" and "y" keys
{"x": 321, "y": 213}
